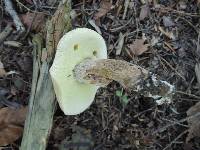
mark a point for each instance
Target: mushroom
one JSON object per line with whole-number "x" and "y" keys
{"x": 81, "y": 66}
{"x": 75, "y": 46}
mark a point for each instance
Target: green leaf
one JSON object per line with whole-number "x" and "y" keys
{"x": 125, "y": 100}
{"x": 118, "y": 93}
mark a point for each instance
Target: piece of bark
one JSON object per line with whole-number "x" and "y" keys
{"x": 42, "y": 102}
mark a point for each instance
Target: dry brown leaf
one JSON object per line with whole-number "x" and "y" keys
{"x": 138, "y": 47}
{"x": 2, "y": 70}
{"x": 33, "y": 21}
{"x": 194, "y": 123}
{"x": 144, "y": 12}
{"x": 105, "y": 7}
{"x": 11, "y": 121}
{"x": 9, "y": 134}
{"x": 13, "y": 116}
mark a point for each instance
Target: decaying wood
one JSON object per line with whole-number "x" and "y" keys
{"x": 42, "y": 99}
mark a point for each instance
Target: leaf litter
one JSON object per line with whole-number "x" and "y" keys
{"x": 138, "y": 47}
{"x": 105, "y": 7}
{"x": 11, "y": 124}
{"x": 108, "y": 121}
{"x": 2, "y": 70}
{"x": 194, "y": 123}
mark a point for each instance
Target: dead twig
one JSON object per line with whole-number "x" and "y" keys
{"x": 168, "y": 64}
{"x": 173, "y": 141}
{"x": 126, "y": 3}
{"x": 163, "y": 8}
{"x": 3, "y": 35}
{"x": 188, "y": 94}
{"x": 190, "y": 24}
{"x": 11, "y": 11}
{"x": 175, "y": 123}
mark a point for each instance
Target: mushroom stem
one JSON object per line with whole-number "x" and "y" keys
{"x": 102, "y": 71}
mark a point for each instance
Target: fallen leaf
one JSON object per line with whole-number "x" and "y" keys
{"x": 9, "y": 134}
{"x": 144, "y": 12}
{"x": 194, "y": 122}
{"x": 13, "y": 116}
{"x": 105, "y": 7}
{"x": 138, "y": 47}
{"x": 33, "y": 21}
{"x": 11, "y": 121}
{"x": 167, "y": 21}
{"x": 2, "y": 70}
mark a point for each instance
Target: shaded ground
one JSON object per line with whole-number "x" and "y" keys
{"x": 171, "y": 30}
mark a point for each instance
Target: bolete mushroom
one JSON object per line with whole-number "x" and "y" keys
{"x": 73, "y": 48}
{"x": 81, "y": 66}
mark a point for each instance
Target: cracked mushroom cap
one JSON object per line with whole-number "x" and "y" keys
{"x": 73, "y": 48}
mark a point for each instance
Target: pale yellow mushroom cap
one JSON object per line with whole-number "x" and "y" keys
{"x": 74, "y": 47}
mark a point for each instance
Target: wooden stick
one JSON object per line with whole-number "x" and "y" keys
{"x": 42, "y": 102}
{"x": 5, "y": 33}
{"x": 9, "y": 9}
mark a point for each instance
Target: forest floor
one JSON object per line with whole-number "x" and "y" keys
{"x": 162, "y": 36}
